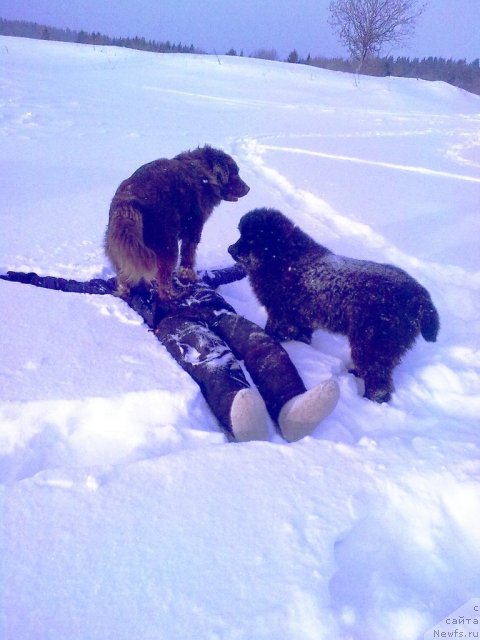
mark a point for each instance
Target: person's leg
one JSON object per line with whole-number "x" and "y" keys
{"x": 295, "y": 410}
{"x": 210, "y": 362}
{"x": 266, "y": 360}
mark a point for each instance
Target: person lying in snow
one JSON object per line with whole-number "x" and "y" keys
{"x": 207, "y": 338}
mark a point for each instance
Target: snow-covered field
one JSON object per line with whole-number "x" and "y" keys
{"x": 124, "y": 512}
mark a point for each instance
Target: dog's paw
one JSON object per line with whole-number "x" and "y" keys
{"x": 122, "y": 291}
{"x": 378, "y": 395}
{"x": 186, "y": 274}
{"x": 165, "y": 292}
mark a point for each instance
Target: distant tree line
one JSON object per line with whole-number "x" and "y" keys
{"x": 459, "y": 73}
{"x": 25, "y": 29}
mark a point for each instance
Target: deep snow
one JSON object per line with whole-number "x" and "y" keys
{"x": 125, "y": 513}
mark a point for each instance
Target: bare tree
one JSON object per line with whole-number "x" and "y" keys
{"x": 364, "y": 26}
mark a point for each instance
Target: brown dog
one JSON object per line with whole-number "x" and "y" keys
{"x": 163, "y": 203}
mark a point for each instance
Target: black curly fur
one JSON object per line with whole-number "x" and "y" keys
{"x": 304, "y": 286}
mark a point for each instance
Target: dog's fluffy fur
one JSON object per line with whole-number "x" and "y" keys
{"x": 162, "y": 203}
{"x": 304, "y": 286}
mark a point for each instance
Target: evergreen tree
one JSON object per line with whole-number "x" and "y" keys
{"x": 293, "y": 57}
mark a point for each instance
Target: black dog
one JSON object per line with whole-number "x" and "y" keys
{"x": 304, "y": 286}
{"x": 162, "y": 203}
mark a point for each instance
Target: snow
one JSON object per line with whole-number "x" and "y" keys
{"x": 125, "y": 513}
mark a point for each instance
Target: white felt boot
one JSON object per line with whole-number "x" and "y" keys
{"x": 248, "y": 416}
{"x": 300, "y": 415}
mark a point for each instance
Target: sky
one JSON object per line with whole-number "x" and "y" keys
{"x": 448, "y": 28}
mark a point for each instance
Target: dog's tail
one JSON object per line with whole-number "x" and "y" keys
{"x": 124, "y": 243}
{"x": 429, "y": 320}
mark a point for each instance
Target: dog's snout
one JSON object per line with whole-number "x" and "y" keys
{"x": 241, "y": 188}
{"x": 232, "y": 250}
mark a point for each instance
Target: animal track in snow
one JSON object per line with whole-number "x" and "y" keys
{"x": 388, "y": 165}
{"x": 333, "y": 223}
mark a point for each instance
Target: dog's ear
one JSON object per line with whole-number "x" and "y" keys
{"x": 278, "y": 224}
{"x": 287, "y": 227}
{"x": 217, "y": 167}
{"x": 220, "y": 174}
